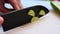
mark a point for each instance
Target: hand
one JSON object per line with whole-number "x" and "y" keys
{"x": 15, "y": 3}
{"x": 1, "y": 20}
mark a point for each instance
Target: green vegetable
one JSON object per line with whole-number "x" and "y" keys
{"x": 34, "y": 19}
{"x": 42, "y": 12}
{"x": 31, "y": 13}
{"x": 55, "y": 6}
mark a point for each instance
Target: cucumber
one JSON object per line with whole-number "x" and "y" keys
{"x": 55, "y": 6}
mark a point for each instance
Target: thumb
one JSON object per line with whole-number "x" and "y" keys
{"x": 1, "y": 20}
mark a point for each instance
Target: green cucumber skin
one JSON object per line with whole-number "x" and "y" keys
{"x": 55, "y": 8}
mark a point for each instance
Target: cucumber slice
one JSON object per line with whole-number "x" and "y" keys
{"x": 34, "y": 19}
{"x": 55, "y": 6}
{"x": 42, "y": 12}
{"x": 31, "y": 13}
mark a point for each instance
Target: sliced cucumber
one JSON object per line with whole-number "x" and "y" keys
{"x": 42, "y": 12}
{"x": 55, "y": 6}
{"x": 34, "y": 19}
{"x": 31, "y": 13}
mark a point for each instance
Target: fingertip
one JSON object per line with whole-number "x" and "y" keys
{"x": 1, "y": 20}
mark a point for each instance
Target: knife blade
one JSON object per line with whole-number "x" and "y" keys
{"x": 20, "y": 17}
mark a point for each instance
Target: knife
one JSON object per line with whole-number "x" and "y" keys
{"x": 20, "y": 17}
